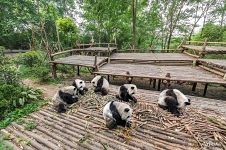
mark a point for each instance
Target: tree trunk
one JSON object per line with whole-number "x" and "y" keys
{"x": 134, "y": 5}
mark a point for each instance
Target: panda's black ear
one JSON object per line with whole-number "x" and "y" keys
{"x": 74, "y": 84}
{"x": 126, "y": 109}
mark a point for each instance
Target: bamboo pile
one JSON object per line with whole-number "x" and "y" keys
{"x": 206, "y": 128}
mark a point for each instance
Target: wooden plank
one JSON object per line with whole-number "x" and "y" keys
{"x": 178, "y": 73}
{"x": 151, "y": 57}
{"x": 208, "y": 49}
{"x": 218, "y": 63}
{"x": 86, "y": 61}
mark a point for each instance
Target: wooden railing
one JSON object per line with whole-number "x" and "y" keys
{"x": 96, "y": 44}
{"x": 15, "y": 51}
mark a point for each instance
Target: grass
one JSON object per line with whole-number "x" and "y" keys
{"x": 3, "y": 145}
{"x": 21, "y": 112}
{"x": 30, "y": 125}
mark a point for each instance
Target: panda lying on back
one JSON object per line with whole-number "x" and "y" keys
{"x": 117, "y": 113}
{"x": 101, "y": 85}
{"x": 64, "y": 97}
{"x": 80, "y": 85}
{"x": 173, "y": 100}
{"x": 126, "y": 92}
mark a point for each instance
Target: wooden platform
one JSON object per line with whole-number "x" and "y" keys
{"x": 80, "y": 60}
{"x": 208, "y": 49}
{"x": 219, "y": 63}
{"x": 151, "y": 57}
{"x": 177, "y": 73}
{"x": 84, "y": 129}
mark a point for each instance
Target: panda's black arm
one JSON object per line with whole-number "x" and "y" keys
{"x": 81, "y": 92}
{"x": 97, "y": 89}
{"x": 131, "y": 97}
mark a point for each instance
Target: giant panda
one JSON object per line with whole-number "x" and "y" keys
{"x": 64, "y": 97}
{"x": 173, "y": 100}
{"x": 80, "y": 85}
{"x": 126, "y": 92}
{"x": 101, "y": 84}
{"x": 117, "y": 113}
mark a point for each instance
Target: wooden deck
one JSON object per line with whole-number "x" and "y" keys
{"x": 177, "y": 73}
{"x": 208, "y": 49}
{"x": 152, "y": 57}
{"x": 214, "y": 63}
{"x": 80, "y": 60}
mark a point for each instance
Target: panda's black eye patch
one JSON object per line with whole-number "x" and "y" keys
{"x": 80, "y": 82}
{"x": 93, "y": 82}
{"x": 126, "y": 109}
{"x": 132, "y": 88}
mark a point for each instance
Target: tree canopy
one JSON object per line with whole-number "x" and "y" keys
{"x": 56, "y": 25}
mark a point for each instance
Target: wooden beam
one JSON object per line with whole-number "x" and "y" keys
{"x": 54, "y": 67}
{"x": 159, "y": 84}
{"x": 205, "y": 89}
{"x": 154, "y": 83}
{"x": 67, "y": 51}
{"x": 194, "y": 86}
{"x": 201, "y": 42}
{"x": 212, "y": 70}
{"x": 108, "y": 78}
{"x": 78, "y": 70}
{"x": 192, "y": 55}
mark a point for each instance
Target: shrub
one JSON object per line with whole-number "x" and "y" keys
{"x": 31, "y": 58}
{"x": 9, "y": 73}
{"x": 42, "y": 72}
{"x": 15, "y": 96}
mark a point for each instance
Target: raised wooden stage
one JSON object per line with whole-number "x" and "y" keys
{"x": 79, "y": 60}
{"x": 151, "y": 57}
{"x": 177, "y": 73}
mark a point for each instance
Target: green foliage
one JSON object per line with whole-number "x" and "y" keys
{"x": 33, "y": 65}
{"x": 212, "y": 32}
{"x": 31, "y": 58}
{"x": 8, "y": 71}
{"x": 21, "y": 112}
{"x": 30, "y": 125}
{"x": 3, "y": 145}
{"x": 42, "y": 72}
{"x": 16, "y": 96}
{"x": 68, "y": 31}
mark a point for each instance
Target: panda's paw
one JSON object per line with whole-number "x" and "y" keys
{"x": 135, "y": 99}
{"x": 128, "y": 124}
{"x": 104, "y": 92}
{"x": 85, "y": 89}
{"x": 111, "y": 124}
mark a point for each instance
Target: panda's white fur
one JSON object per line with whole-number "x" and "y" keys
{"x": 173, "y": 99}
{"x": 61, "y": 104}
{"x": 117, "y": 113}
{"x": 80, "y": 85}
{"x": 101, "y": 84}
{"x": 126, "y": 92}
